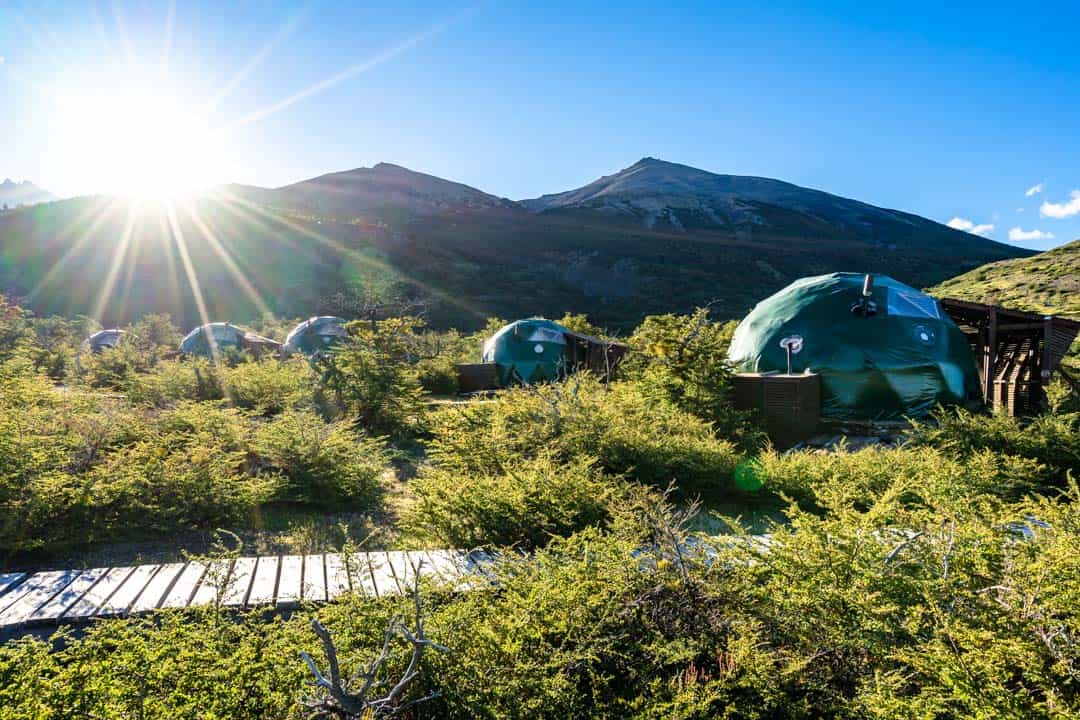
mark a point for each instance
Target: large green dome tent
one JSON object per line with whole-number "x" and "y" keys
{"x": 315, "y": 335}
{"x": 528, "y": 351}
{"x": 884, "y": 355}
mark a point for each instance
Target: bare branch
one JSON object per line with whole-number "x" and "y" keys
{"x": 335, "y": 698}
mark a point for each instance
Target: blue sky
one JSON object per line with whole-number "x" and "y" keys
{"x": 949, "y": 112}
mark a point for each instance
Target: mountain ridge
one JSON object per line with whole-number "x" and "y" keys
{"x": 472, "y": 254}
{"x": 655, "y": 191}
{"x": 365, "y": 189}
{"x": 14, "y": 194}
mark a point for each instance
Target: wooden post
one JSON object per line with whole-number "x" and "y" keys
{"x": 1045, "y": 356}
{"x": 991, "y": 358}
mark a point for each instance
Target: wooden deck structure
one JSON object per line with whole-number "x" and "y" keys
{"x": 73, "y": 596}
{"x": 1015, "y": 351}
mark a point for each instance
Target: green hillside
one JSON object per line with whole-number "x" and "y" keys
{"x": 1046, "y": 283}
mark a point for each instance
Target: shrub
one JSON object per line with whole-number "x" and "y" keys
{"x": 57, "y": 343}
{"x": 682, "y": 360}
{"x": 526, "y": 504}
{"x": 270, "y": 386}
{"x": 155, "y": 335}
{"x": 320, "y": 462}
{"x": 147, "y": 342}
{"x": 949, "y": 612}
{"x": 1052, "y": 439}
{"x": 865, "y": 475}
{"x": 583, "y": 418}
{"x": 371, "y": 377}
{"x": 185, "y": 469}
{"x": 580, "y": 323}
{"x": 171, "y": 381}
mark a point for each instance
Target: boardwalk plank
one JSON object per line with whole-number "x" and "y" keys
{"x": 290, "y": 580}
{"x": 239, "y": 582}
{"x": 442, "y": 564}
{"x": 337, "y": 576}
{"x": 130, "y": 585}
{"x": 265, "y": 581}
{"x": 151, "y": 596}
{"x": 250, "y": 581}
{"x": 94, "y": 597}
{"x": 402, "y": 570}
{"x": 55, "y": 608}
{"x": 34, "y": 592}
{"x": 217, "y": 575}
{"x": 361, "y": 576}
{"x": 9, "y": 581}
{"x": 184, "y": 588}
{"x": 314, "y": 579}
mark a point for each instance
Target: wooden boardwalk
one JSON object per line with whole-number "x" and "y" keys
{"x": 282, "y": 582}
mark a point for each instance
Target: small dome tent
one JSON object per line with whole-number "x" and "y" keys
{"x": 103, "y": 340}
{"x": 537, "y": 350}
{"x": 315, "y": 335}
{"x": 883, "y": 349}
{"x": 224, "y": 336}
{"x": 528, "y": 351}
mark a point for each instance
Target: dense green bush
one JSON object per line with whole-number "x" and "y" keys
{"x": 174, "y": 380}
{"x": 146, "y": 343}
{"x": 320, "y": 462}
{"x": 57, "y": 344}
{"x": 682, "y": 360}
{"x": 946, "y": 609}
{"x": 109, "y": 478}
{"x": 371, "y": 377}
{"x": 526, "y": 504}
{"x": 1052, "y": 438}
{"x": 270, "y": 386}
{"x": 865, "y": 475}
{"x": 654, "y": 443}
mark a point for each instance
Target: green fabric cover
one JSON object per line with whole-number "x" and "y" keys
{"x": 528, "y": 351}
{"x": 197, "y": 341}
{"x": 315, "y": 335}
{"x": 900, "y": 361}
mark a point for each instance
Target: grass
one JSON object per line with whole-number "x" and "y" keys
{"x": 1045, "y": 283}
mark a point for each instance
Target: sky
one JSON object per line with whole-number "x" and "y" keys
{"x": 967, "y": 114}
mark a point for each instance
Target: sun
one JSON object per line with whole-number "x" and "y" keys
{"x": 138, "y": 140}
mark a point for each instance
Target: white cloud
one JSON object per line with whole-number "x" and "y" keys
{"x": 959, "y": 223}
{"x": 1060, "y": 211}
{"x": 1019, "y": 210}
{"x": 1034, "y": 190}
{"x": 1019, "y": 235}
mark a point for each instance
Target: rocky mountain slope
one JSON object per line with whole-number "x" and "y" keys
{"x": 656, "y": 237}
{"x": 349, "y": 194}
{"x": 658, "y": 194}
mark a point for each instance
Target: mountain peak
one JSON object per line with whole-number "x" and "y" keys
{"x": 14, "y": 193}
{"x": 659, "y": 194}
{"x": 352, "y": 193}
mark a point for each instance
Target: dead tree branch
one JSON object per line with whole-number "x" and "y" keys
{"x": 335, "y": 697}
